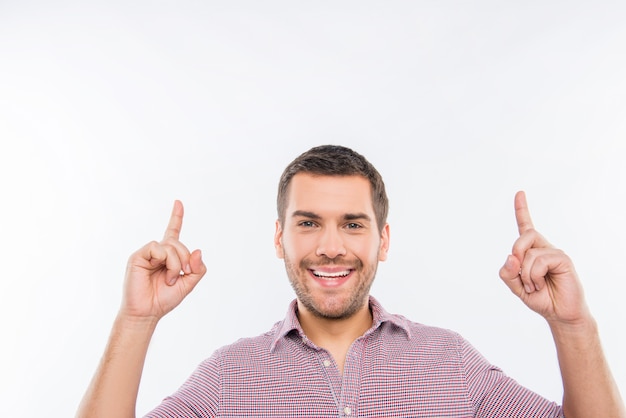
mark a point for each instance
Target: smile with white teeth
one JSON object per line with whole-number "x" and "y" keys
{"x": 330, "y": 276}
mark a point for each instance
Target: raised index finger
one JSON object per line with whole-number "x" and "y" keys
{"x": 522, "y": 215}
{"x": 176, "y": 221}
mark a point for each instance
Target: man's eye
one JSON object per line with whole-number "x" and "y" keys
{"x": 307, "y": 224}
{"x": 353, "y": 225}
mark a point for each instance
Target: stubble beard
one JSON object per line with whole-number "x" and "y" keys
{"x": 333, "y": 306}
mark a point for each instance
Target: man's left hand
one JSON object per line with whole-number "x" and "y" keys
{"x": 543, "y": 277}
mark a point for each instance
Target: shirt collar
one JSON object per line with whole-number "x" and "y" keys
{"x": 379, "y": 315}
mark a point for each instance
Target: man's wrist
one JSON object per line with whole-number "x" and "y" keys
{"x": 136, "y": 323}
{"x": 582, "y": 329}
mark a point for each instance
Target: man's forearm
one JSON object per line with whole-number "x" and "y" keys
{"x": 113, "y": 390}
{"x": 589, "y": 389}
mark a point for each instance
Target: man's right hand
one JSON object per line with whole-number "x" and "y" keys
{"x": 161, "y": 274}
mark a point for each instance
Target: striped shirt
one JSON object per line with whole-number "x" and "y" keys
{"x": 398, "y": 368}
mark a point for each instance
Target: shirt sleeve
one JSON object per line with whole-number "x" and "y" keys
{"x": 199, "y": 396}
{"x": 494, "y": 394}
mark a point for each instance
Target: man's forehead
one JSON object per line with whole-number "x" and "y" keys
{"x": 328, "y": 191}
{"x": 328, "y": 182}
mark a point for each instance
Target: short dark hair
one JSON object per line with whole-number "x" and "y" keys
{"x": 334, "y": 160}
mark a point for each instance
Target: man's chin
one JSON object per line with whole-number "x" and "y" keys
{"x": 335, "y": 311}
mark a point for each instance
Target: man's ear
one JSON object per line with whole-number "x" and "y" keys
{"x": 384, "y": 243}
{"x": 278, "y": 240}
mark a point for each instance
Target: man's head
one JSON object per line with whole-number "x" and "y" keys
{"x": 335, "y": 160}
{"x": 333, "y": 230}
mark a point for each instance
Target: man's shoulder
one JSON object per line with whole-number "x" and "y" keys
{"x": 420, "y": 332}
{"x": 431, "y": 330}
{"x": 396, "y": 326}
{"x": 252, "y": 344}
{"x": 246, "y": 354}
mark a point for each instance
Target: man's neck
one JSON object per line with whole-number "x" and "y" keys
{"x": 335, "y": 335}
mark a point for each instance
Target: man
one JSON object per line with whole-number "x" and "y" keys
{"x": 337, "y": 352}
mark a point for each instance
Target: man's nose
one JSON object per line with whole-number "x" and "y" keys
{"x": 331, "y": 244}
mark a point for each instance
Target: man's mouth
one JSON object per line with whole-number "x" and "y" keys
{"x": 335, "y": 275}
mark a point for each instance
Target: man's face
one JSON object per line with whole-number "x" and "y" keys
{"x": 330, "y": 243}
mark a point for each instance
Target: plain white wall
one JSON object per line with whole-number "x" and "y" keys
{"x": 111, "y": 110}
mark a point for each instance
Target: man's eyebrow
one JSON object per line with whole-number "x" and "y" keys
{"x": 356, "y": 217}
{"x": 305, "y": 214}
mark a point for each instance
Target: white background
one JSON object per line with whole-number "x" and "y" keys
{"x": 111, "y": 110}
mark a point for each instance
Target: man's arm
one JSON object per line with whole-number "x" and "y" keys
{"x": 158, "y": 277}
{"x": 544, "y": 278}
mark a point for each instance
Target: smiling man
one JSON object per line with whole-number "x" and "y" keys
{"x": 338, "y": 352}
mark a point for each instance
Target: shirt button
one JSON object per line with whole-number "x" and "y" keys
{"x": 326, "y": 363}
{"x": 347, "y": 410}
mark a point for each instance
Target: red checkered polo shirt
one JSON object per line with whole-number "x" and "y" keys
{"x": 398, "y": 368}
